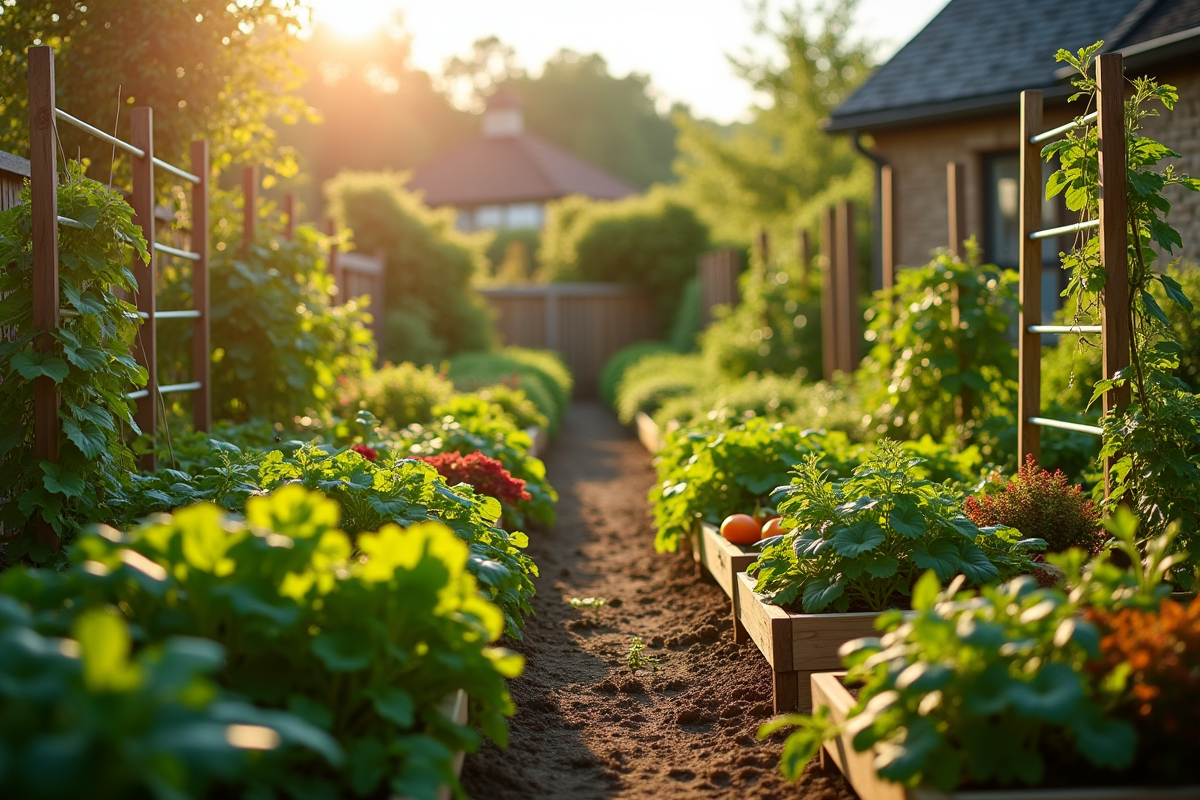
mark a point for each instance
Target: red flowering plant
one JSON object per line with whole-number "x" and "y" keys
{"x": 1041, "y": 505}
{"x": 486, "y": 475}
{"x": 369, "y": 453}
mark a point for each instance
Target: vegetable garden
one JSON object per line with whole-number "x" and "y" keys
{"x": 243, "y": 559}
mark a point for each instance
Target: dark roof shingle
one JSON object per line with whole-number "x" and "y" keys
{"x": 976, "y": 54}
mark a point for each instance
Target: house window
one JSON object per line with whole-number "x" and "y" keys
{"x": 1002, "y": 225}
{"x": 524, "y": 215}
{"x": 487, "y": 217}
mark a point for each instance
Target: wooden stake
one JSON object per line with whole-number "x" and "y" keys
{"x": 1029, "y": 394}
{"x": 201, "y": 328}
{"x": 43, "y": 180}
{"x": 142, "y": 200}
{"x": 249, "y": 206}
{"x": 829, "y": 304}
{"x": 762, "y": 244}
{"x": 887, "y": 226}
{"x": 1114, "y": 254}
{"x": 956, "y": 198}
{"x": 289, "y": 210}
{"x": 847, "y": 291}
{"x": 804, "y": 253}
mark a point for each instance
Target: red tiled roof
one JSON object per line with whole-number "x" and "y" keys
{"x": 511, "y": 169}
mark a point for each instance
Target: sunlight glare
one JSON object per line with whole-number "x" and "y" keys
{"x": 354, "y": 19}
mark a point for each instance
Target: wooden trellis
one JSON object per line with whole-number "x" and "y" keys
{"x": 1114, "y": 300}
{"x": 43, "y": 146}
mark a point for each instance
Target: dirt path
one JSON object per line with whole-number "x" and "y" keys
{"x": 586, "y": 727}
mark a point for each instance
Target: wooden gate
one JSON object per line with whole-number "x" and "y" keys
{"x": 585, "y": 323}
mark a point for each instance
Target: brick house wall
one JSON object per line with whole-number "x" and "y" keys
{"x": 1180, "y": 131}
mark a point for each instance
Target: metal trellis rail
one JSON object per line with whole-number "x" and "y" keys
{"x": 1114, "y": 307}
{"x": 46, "y": 303}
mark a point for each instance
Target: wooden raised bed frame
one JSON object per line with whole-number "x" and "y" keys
{"x": 859, "y": 768}
{"x": 724, "y": 560}
{"x": 796, "y": 645}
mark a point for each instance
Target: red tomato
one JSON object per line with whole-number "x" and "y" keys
{"x": 772, "y": 528}
{"x": 740, "y": 529}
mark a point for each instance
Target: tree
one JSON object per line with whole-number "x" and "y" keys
{"x": 208, "y": 68}
{"x": 780, "y": 169}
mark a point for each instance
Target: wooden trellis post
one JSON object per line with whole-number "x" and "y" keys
{"x": 957, "y": 216}
{"x": 887, "y": 220}
{"x": 829, "y": 304}
{"x": 289, "y": 211}
{"x": 848, "y": 328}
{"x": 1114, "y": 328}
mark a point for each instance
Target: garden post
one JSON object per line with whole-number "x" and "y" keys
{"x": 847, "y": 291}
{"x": 202, "y": 326}
{"x": 829, "y": 304}
{"x": 1115, "y": 319}
{"x": 43, "y": 183}
{"x": 956, "y": 197}
{"x": 142, "y": 200}
{"x": 804, "y": 253}
{"x": 1029, "y": 357}
{"x": 887, "y": 223}
{"x": 762, "y": 246}
{"x": 289, "y": 210}
{"x": 249, "y": 207}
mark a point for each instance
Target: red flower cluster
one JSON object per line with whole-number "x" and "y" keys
{"x": 1042, "y": 505}
{"x": 369, "y": 453}
{"x": 487, "y": 475}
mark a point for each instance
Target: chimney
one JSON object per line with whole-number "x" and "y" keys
{"x": 505, "y": 115}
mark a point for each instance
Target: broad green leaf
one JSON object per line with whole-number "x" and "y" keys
{"x": 940, "y": 555}
{"x": 342, "y": 651}
{"x": 820, "y": 592}
{"x": 394, "y": 705}
{"x": 104, "y": 645}
{"x": 906, "y": 519}
{"x": 87, "y": 436}
{"x": 30, "y": 364}
{"x": 57, "y": 481}
{"x": 925, "y": 592}
{"x": 857, "y": 538}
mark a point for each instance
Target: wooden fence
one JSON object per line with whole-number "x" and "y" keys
{"x": 1114, "y": 299}
{"x": 584, "y": 322}
{"x": 43, "y": 174}
{"x": 718, "y": 274}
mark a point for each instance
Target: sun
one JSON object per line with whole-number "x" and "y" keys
{"x": 354, "y": 19}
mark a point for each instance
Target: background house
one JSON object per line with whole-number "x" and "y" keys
{"x": 504, "y": 177}
{"x": 951, "y": 94}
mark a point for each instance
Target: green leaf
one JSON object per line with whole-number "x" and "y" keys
{"x": 1175, "y": 292}
{"x": 1053, "y": 695}
{"x": 941, "y": 555}
{"x": 925, "y": 592}
{"x": 31, "y": 364}
{"x": 820, "y": 592}
{"x": 857, "y": 538}
{"x": 906, "y": 518}
{"x": 975, "y": 564}
{"x": 104, "y": 644}
{"x": 394, "y": 705}
{"x": 1107, "y": 743}
{"x": 57, "y": 481}
{"x": 1153, "y": 308}
{"x": 87, "y": 436}
{"x": 342, "y": 651}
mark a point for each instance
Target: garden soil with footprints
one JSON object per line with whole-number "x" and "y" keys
{"x": 586, "y": 727}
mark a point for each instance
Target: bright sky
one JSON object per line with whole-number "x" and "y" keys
{"x": 681, "y": 44}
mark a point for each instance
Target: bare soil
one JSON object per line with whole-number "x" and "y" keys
{"x": 586, "y": 727}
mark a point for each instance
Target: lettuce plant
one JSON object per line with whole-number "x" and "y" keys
{"x": 861, "y": 542}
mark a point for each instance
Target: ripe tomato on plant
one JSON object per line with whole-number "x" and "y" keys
{"x": 772, "y": 527}
{"x": 741, "y": 529}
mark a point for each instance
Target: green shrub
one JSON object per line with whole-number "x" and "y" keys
{"x": 860, "y": 543}
{"x": 775, "y": 328}
{"x": 365, "y": 642}
{"x": 139, "y": 724}
{"x": 511, "y": 255}
{"x": 920, "y": 365}
{"x": 651, "y": 241}
{"x": 622, "y": 360}
{"x": 399, "y": 395}
{"x": 686, "y": 325}
{"x": 516, "y": 405}
{"x": 652, "y": 380}
{"x": 540, "y": 373}
{"x": 428, "y": 300}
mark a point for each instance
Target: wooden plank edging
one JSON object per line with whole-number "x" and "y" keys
{"x": 649, "y": 434}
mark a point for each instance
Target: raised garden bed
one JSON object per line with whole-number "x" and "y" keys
{"x": 649, "y": 434}
{"x": 859, "y": 768}
{"x": 456, "y": 708}
{"x": 796, "y": 645}
{"x": 540, "y": 437}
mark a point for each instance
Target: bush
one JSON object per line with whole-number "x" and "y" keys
{"x": 921, "y": 365}
{"x": 399, "y": 395}
{"x": 511, "y": 255}
{"x": 622, "y": 360}
{"x": 651, "y": 241}
{"x": 428, "y": 300}
{"x": 686, "y": 326}
{"x": 1041, "y": 505}
{"x": 652, "y": 380}
{"x": 775, "y": 329}
{"x": 522, "y": 411}
{"x": 539, "y": 373}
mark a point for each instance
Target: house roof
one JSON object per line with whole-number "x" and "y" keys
{"x": 975, "y": 56}
{"x": 511, "y": 169}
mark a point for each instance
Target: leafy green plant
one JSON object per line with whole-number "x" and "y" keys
{"x": 399, "y": 395}
{"x": 652, "y": 380}
{"x": 365, "y": 640}
{"x": 638, "y": 658}
{"x": 1156, "y": 440}
{"x": 620, "y": 361}
{"x": 84, "y": 715}
{"x": 539, "y": 373}
{"x": 88, "y": 358}
{"x": 859, "y": 544}
{"x": 931, "y": 368}
{"x": 515, "y": 404}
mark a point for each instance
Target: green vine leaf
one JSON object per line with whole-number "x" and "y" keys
{"x": 30, "y": 364}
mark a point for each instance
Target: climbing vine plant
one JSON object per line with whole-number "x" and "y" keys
{"x": 1155, "y": 441}
{"x": 90, "y": 362}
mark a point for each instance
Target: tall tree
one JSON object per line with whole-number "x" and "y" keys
{"x": 207, "y": 67}
{"x": 780, "y": 169}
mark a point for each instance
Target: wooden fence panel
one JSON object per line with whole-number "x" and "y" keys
{"x": 718, "y": 273}
{"x": 585, "y": 323}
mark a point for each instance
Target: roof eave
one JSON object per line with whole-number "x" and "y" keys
{"x": 928, "y": 113}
